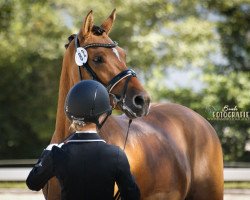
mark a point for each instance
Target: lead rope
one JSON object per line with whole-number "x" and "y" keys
{"x": 129, "y": 123}
{"x": 118, "y": 194}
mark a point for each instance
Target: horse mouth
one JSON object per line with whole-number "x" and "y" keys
{"x": 129, "y": 113}
{"x": 133, "y": 114}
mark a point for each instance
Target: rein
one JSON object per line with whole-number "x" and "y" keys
{"x": 129, "y": 73}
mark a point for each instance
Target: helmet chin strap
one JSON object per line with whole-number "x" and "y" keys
{"x": 98, "y": 124}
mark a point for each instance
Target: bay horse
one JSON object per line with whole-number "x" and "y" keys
{"x": 174, "y": 153}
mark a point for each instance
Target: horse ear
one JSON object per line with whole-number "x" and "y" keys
{"x": 107, "y": 24}
{"x": 87, "y": 24}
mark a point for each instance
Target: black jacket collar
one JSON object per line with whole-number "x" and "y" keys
{"x": 85, "y": 137}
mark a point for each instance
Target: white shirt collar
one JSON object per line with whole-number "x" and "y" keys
{"x": 90, "y": 131}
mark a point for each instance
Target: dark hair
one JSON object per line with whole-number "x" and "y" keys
{"x": 97, "y": 30}
{"x": 70, "y": 38}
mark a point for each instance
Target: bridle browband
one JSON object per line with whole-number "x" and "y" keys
{"x": 129, "y": 73}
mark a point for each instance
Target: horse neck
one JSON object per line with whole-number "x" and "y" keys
{"x": 114, "y": 130}
{"x": 62, "y": 124}
{"x": 115, "y": 135}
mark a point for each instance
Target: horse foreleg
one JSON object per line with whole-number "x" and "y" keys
{"x": 210, "y": 188}
{"x": 207, "y": 179}
{"x": 52, "y": 190}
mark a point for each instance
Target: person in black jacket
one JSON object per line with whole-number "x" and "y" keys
{"x": 87, "y": 168}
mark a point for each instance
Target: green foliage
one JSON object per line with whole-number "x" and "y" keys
{"x": 11, "y": 185}
{"x": 234, "y": 31}
{"x": 227, "y": 82}
{"x": 209, "y": 36}
{"x": 30, "y": 54}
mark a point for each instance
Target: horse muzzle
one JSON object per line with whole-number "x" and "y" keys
{"x": 137, "y": 106}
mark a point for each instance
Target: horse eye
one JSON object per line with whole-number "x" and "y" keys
{"x": 98, "y": 59}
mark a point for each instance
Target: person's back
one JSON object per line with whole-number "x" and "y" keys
{"x": 88, "y": 170}
{"x": 86, "y": 167}
{"x": 90, "y": 181}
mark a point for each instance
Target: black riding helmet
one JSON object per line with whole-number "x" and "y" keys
{"x": 87, "y": 101}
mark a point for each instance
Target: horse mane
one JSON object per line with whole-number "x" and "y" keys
{"x": 70, "y": 38}
{"x": 96, "y": 30}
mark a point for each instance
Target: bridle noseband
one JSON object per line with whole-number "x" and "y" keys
{"x": 129, "y": 73}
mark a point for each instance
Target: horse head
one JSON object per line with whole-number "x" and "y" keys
{"x": 93, "y": 55}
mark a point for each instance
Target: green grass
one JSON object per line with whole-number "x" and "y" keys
{"x": 237, "y": 185}
{"x": 8, "y": 184}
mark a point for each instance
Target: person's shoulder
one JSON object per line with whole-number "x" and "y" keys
{"x": 117, "y": 151}
{"x": 110, "y": 146}
{"x": 111, "y": 149}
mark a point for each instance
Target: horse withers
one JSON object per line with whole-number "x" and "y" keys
{"x": 174, "y": 153}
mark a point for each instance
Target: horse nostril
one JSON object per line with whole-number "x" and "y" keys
{"x": 139, "y": 101}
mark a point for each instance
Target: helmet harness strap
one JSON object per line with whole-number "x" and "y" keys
{"x": 99, "y": 125}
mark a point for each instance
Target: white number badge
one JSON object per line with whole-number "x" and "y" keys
{"x": 81, "y": 56}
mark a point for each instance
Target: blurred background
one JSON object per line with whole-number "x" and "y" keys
{"x": 191, "y": 52}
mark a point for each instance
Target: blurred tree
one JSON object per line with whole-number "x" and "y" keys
{"x": 209, "y": 37}
{"x": 234, "y": 30}
{"x": 227, "y": 82}
{"x": 30, "y": 58}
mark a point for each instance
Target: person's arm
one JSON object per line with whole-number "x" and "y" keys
{"x": 125, "y": 181}
{"x": 42, "y": 171}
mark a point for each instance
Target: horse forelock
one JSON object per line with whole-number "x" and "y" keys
{"x": 97, "y": 30}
